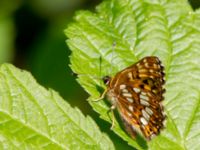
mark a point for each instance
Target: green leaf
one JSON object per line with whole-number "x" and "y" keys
{"x": 168, "y": 29}
{"x": 32, "y": 117}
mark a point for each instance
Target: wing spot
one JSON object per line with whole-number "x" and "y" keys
{"x": 156, "y": 66}
{"x": 143, "y": 75}
{"x": 127, "y": 95}
{"x": 146, "y": 65}
{"x": 143, "y": 127}
{"x": 129, "y": 114}
{"x": 142, "y": 70}
{"x": 122, "y": 86}
{"x": 143, "y": 102}
{"x": 143, "y": 121}
{"x": 145, "y": 115}
{"x": 151, "y": 77}
{"x": 164, "y": 78}
{"x": 124, "y": 90}
{"x": 139, "y": 66}
{"x": 149, "y": 111}
{"x": 149, "y": 94}
{"x": 155, "y": 91}
{"x": 130, "y": 108}
{"x": 130, "y": 99}
{"x": 157, "y": 60}
{"x": 147, "y": 87}
{"x": 130, "y": 76}
{"x": 143, "y": 93}
{"x": 144, "y": 97}
{"x": 137, "y": 90}
{"x": 151, "y": 70}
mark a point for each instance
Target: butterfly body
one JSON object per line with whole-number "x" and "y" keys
{"x": 137, "y": 92}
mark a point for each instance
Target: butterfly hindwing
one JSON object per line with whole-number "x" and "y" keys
{"x": 138, "y": 91}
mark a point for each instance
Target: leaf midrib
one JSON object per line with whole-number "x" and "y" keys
{"x": 33, "y": 129}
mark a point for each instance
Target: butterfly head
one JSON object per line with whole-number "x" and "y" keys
{"x": 106, "y": 80}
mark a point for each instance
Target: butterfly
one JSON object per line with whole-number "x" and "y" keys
{"x": 137, "y": 93}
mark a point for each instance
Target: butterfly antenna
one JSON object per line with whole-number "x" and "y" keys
{"x": 89, "y": 75}
{"x": 100, "y": 73}
{"x": 112, "y": 56}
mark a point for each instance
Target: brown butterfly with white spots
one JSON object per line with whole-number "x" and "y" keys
{"x": 137, "y": 92}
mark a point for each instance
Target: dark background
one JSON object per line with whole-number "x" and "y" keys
{"x": 32, "y": 38}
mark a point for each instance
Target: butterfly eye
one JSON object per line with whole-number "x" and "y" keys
{"x": 106, "y": 80}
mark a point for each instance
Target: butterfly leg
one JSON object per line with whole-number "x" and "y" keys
{"x": 101, "y": 97}
{"x": 113, "y": 116}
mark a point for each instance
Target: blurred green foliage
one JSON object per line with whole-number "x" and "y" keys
{"x": 6, "y": 39}
{"x": 32, "y": 38}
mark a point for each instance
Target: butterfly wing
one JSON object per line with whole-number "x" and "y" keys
{"x": 139, "y": 91}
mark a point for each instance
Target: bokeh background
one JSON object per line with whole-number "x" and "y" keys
{"x": 32, "y": 38}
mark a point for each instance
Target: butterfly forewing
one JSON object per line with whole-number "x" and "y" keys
{"x": 137, "y": 92}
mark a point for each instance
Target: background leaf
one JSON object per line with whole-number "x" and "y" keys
{"x": 6, "y": 39}
{"x": 168, "y": 29}
{"x": 33, "y": 118}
